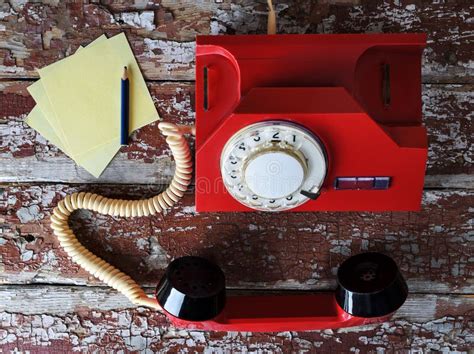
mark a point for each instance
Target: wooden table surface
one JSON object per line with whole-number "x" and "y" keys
{"x": 47, "y": 303}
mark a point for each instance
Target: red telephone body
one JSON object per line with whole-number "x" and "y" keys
{"x": 359, "y": 94}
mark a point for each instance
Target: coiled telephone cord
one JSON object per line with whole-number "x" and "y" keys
{"x": 124, "y": 208}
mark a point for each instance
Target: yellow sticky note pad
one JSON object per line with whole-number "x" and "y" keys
{"x": 84, "y": 93}
{"x": 78, "y": 102}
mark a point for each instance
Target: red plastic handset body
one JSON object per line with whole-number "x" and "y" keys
{"x": 279, "y": 313}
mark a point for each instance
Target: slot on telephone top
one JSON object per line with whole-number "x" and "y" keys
{"x": 205, "y": 89}
{"x": 386, "y": 97}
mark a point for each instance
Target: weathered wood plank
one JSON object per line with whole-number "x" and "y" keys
{"x": 90, "y": 319}
{"x": 448, "y": 115}
{"x": 161, "y": 35}
{"x": 257, "y": 251}
{"x": 290, "y": 250}
{"x": 26, "y": 157}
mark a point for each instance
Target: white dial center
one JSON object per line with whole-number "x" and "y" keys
{"x": 274, "y": 175}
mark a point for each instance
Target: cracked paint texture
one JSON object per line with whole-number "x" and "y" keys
{"x": 49, "y": 304}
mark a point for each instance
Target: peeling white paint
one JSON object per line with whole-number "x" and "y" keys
{"x": 181, "y": 52}
{"x": 28, "y": 214}
{"x": 188, "y": 210}
{"x": 143, "y": 19}
{"x": 27, "y": 255}
{"x": 5, "y": 14}
{"x": 181, "y": 229}
{"x": 158, "y": 258}
{"x": 142, "y": 243}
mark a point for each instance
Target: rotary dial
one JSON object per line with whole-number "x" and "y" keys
{"x": 273, "y": 165}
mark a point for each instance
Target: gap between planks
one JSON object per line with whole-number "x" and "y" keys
{"x": 12, "y": 79}
{"x": 432, "y": 182}
{"x": 232, "y": 289}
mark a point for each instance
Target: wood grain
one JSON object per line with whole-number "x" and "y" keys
{"x": 63, "y": 319}
{"x": 162, "y": 34}
{"x": 48, "y": 304}
{"x": 26, "y": 156}
{"x": 256, "y": 250}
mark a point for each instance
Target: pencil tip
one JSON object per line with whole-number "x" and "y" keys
{"x": 125, "y": 75}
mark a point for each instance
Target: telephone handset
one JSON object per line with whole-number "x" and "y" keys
{"x": 300, "y": 123}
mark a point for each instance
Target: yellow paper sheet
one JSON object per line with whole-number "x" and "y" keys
{"x": 84, "y": 92}
{"x": 49, "y": 117}
{"x": 94, "y": 161}
{"x": 37, "y": 120}
{"x": 38, "y": 93}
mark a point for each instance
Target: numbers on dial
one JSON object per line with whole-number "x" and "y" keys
{"x": 233, "y": 160}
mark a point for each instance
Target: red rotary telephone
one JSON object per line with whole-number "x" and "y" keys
{"x": 287, "y": 122}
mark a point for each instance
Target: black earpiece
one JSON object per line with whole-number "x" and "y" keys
{"x": 192, "y": 289}
{"x": 370, "y": 285}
